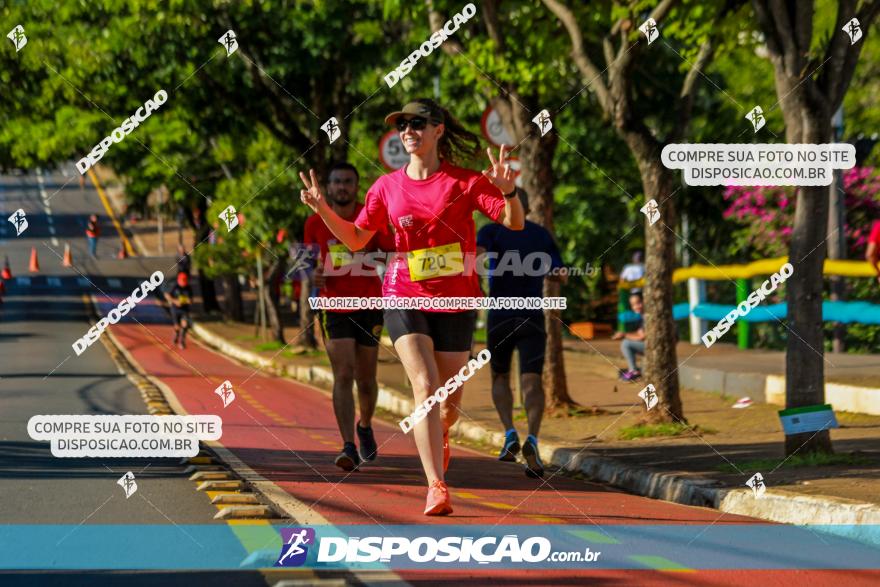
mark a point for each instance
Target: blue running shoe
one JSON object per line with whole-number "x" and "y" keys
{"x": 534, "y": 466}
{"x": 510, "y": 448}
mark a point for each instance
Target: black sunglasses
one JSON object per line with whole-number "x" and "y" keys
{"x": 416, "y": 123}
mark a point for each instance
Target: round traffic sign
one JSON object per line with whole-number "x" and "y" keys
{"x": 493, "y": 129}
{"x": 391, "y": 151}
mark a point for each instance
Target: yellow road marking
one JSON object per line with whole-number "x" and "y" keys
{"x": 548, "y": 519}
{"x": 465, "y": 495}
{"x": 498, "y": 506}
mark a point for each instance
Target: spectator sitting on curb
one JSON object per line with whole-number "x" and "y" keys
{"x": 634, "y": 341}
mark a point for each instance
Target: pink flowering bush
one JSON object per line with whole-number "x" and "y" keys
{"x": 767, "y": 213}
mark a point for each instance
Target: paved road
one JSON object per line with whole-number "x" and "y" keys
{"x": 41, "y": 315}
{"x": 285, "y": 434}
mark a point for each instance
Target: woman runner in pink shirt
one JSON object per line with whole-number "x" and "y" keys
{"x": 430, "y": 203}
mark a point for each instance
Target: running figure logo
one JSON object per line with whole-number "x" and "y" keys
{"x": 229, "y": 217}
{"x": 19, "y": 221}
{"x": 128, "y": 484}
{"x": 296, "y": 546}
{"x": 543, "y": 121}
{"x": 16, "y": 35}
{"x": 652, "y": 211}
{"x": 225, "y": 392}
{"x": 854, "y": 30}
{"x": 649, "y": 28}
{"x": 757, "y": 485}
{"x": 756, "y": 117}
{"x": 229, "y": 42}
{"x": 331, "y": 127}
{"x": 648, "y": 394}
{"x": 302, "y": 258}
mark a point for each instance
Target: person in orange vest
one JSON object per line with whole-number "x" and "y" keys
{"x": 92, "y": 232}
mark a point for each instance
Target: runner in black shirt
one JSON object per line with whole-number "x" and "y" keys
{"x": 179, "y": 299}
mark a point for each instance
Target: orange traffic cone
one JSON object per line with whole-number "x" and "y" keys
{"x": 7, "y": 273}
{"x": 35, "y": 263}
{"x": 68, "y": 259}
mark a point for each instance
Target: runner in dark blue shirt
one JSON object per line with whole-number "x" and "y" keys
{"x": 519, "y": 261}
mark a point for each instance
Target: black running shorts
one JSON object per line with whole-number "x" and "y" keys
{"x": 524, "y": 333}
{"x": 178, "y": 315}
{"x": 451, "y": 331}
{"x": 364, "y": 326}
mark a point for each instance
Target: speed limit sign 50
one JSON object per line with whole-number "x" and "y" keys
{"x": 391, "y": 152}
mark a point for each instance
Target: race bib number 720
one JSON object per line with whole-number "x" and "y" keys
{"x": 435, "y": 262}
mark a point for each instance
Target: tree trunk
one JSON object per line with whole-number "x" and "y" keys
{"x": 209, "y": 292}
{"x": 270, "y": 302}
{"x": 536, "y": 157}
{"x": 661, "y": 359}
{"x": 804, "y": 358}
{"x": 234, "y": 309}
{"x": 306, "y": 316}
{"x": 553, "y": 377}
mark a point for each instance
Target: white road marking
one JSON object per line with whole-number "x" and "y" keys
{"x": 46, "y": 208}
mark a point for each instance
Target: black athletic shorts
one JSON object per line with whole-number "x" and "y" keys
{"x": 180, "y": 314}
{"x": 524, "y": 333}
{"x": 451, "y": 331}
{"x": 364, "y": 326}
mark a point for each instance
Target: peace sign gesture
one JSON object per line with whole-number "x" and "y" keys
{"x": 500, "y": 174}
{"x": 312, "y": 195}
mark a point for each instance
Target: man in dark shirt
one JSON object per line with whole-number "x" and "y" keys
{"x": 513, "y": 273}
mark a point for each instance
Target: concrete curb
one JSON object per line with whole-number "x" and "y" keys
{"x": 770, "y": 389}
{"x": 844, "y": 517}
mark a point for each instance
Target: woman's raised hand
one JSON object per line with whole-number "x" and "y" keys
{"x": 500, "y": 173}
{"x": 312, "y": 195}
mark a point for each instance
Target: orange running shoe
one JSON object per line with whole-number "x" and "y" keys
{"x": 438, "y": 503}
{"x": 446, "y": 450}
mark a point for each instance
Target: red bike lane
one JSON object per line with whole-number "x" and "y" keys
{"x": 286, "y": 432}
